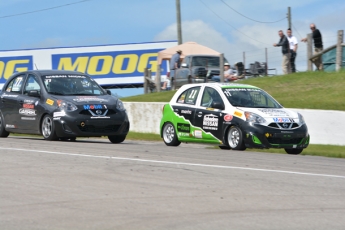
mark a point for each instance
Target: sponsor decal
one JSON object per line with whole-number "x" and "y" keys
{"x": 183, "y": 134}
{"x": 11, "y": 126}
{"x": 64, "y": 76}
{"x": 28, "y": 106}
{"x": 10, "y": 65}
{"x": 228, "y": 117}
{"x": 281, "y": 119}
{"x": 9, "y": 95}
{"x": 56, "y": 118}
{"x": 268, "y": 135}
{"x": 287, "y": 131}
{"x": 197, "y": 134}
{"x": 211, "y": 109}
{"x": 274, "y": 112}
{"x": 28, "y": 118}
{"x": 59, "y": 114}
{"x": 99, "y": 117}
{"x": 210, "y": 122}
{"x": 49, "y": 102}
{"x": 89, "y": 98}
{"x": 227, "y": 123}
{"x": 27, "y": 112}
{"x": 238, "y": 114}
{"x": 184, "y": 128}
{"x": 183, "y": 111}
{"x": 29, "y": 101}
{"x": 88, "y": 107}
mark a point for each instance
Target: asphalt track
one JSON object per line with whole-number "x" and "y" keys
{"x": 93, "y": 184}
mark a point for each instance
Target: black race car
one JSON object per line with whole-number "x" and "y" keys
{"x": 60, "y": 105}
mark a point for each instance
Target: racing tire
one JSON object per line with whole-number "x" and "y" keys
{"x": 3, "y": 132}
{"x": 293, "y": 151}
{"x": 169, "y": 135}
{"x": 48, "y": 128}
{"x": 116, "y": 139}
{"x": 235, "y": 139}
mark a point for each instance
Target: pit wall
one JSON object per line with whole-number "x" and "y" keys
{"x": 325, "y": 126}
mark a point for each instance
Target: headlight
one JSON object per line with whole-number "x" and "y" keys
{"x": 301, "y": 119}
{"x": 119, "y": 105}
{"x": 252, "y": 117}
{"x": 66, "y": 106}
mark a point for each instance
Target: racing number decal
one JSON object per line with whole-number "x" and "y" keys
{"x": 192, "y": 94}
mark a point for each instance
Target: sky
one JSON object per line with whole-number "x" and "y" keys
{"x": 227, "y": 26}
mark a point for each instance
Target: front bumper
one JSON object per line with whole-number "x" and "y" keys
{"x": 72, "y": 125}
{"x": 259, "y": 136}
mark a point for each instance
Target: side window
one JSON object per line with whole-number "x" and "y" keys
{"x": 15, "y": 85}
{"x": 189, "y": 96}
{"x": 31, "y": 84}
{"x": 210, "y": 96}
{"x": 186, "y": 60}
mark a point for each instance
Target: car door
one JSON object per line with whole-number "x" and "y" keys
{"x": 209, "y": 114}
{"x": 10, "y": 100}
{"x": 31, "y": 107}
{"x": 185, "y": 107}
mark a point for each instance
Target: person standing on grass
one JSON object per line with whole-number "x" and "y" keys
{"x": 293, "y": 49}
{"x": 318, "y": 46}
{"x": 284, "y": 43}
{"x": 174, "y": 64}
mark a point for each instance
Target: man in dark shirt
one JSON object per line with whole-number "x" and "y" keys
{"x": 284, "y": 43}
{"x": 174, "y": 64}
{"x": 318, "y": 46}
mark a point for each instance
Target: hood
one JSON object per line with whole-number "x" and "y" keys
{"x": 273, "y": 114}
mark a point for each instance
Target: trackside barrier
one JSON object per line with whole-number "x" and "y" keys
{"x": 325, "y": 126}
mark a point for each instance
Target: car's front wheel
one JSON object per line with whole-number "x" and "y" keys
{"x": 169, "y": 135}
{"x": 293, "y": 151}
{"x": 116, "y": 139}
{"x": 48, "y": 128}
{"x": 235, "y": 138}
{"x": 3, "y": 132}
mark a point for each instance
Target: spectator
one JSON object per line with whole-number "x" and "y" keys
{"x": 228, "y": 74}
{"x": 293, "y": 49}
{"x": 166, "y": 83}
{"x": 318, "y": 46}
{"x": 174, "y": 64}
{"x": 284, "y": 43}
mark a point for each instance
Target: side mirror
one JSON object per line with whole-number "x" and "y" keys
{"x": 218, "y": 105}
{"x": 108, "y": 92}
{"x": 184, "y": 65}
{"x": 34, "y": 93}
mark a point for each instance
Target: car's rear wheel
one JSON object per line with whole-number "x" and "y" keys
{"x": 169, "y": 135}
{"x": 116, "y": 139}
{"x": 293, "y": 151}
{"x": 235, "y": 138}
{"x": 48, "y": 128}
{"x": 3, "y": 132}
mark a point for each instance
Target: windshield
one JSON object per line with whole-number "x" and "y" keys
{"x": 206, "y": 61}
{"x": 71, "y": 85}
{"x": 251, "y": 98}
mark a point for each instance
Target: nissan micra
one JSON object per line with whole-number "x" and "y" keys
{"x": 234, "y": 116}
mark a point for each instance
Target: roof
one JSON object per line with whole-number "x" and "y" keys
{"x": 223, "y": 85}
{"x": 188, "y": 48}
{"x": 49, "y": 72}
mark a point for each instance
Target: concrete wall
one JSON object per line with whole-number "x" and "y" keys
{"x": 325, "y": 126}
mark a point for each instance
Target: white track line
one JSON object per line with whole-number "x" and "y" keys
{"x": 175, "y": 163}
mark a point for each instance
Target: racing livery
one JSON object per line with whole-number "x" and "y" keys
{"x": 235, "y": 116}
{"x": 60, "y": 105}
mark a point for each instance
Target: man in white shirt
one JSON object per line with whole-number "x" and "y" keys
{"x": 293, "y": 49}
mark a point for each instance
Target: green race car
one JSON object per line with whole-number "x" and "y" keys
{"x": 235, "y": 116}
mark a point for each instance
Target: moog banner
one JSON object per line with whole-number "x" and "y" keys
{"x": 107, "y": 64}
